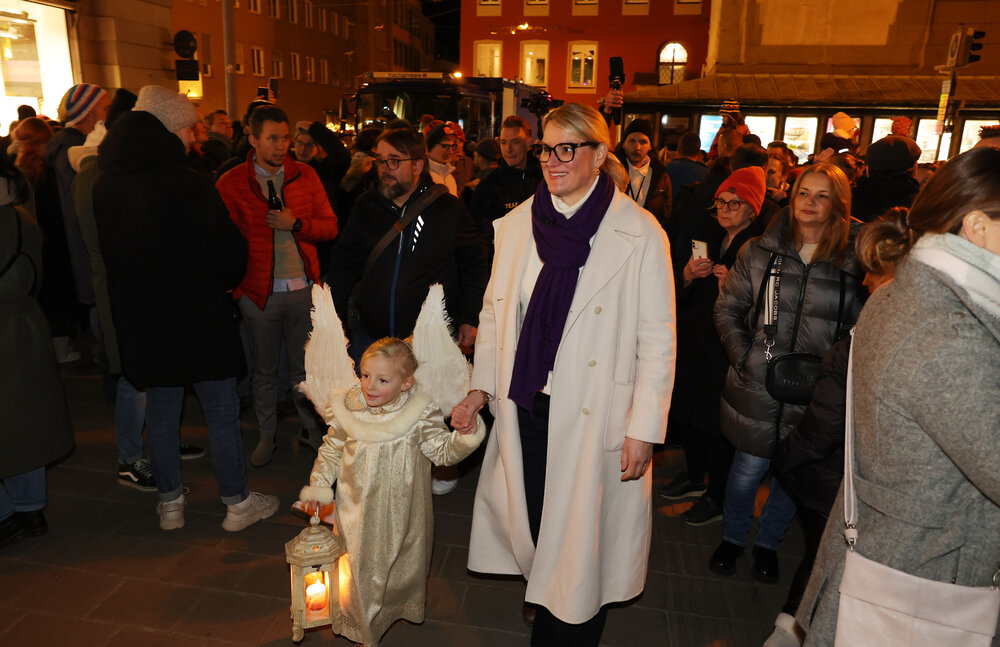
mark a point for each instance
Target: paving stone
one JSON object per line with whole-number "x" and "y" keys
{"x": 39, "y": 628}
{"x": 213, "y": 568}
{"x": 266, "y": 576}
{"x": 235, "y": 616}
{"x": 438, "y": 634}
{"x": 147, "y": 603}
{"x": 444, "y": 599}
{"x": 496, "y": 608}
{"x": 68, "y": 592}
{"x": 632, "y": 625}
{"x": 451, "y": 529}
{"x": 131, "y": 636}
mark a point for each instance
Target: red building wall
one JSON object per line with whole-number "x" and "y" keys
{"x": 636, "y": 38}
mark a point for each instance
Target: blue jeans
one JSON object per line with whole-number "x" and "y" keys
{"x": 24, "y": 492}
{"x": 130, "y": 413}
{"x": 741, "y": 490}
{"x": 221, "y": 407}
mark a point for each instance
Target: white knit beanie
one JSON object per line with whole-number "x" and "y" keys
{"x": 175, "y": 111}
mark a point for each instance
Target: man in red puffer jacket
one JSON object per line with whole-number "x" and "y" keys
{"x": 274, "y": 297}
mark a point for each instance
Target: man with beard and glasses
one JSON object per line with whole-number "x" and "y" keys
{"x": 438, "y": 243}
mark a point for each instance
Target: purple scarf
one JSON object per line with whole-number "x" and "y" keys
{"x": 563, "y": 245}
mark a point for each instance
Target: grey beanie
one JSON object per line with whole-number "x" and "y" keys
{"x": 175, "y": 111}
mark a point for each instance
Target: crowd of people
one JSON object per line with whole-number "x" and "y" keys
{"x": 611, "y": 299}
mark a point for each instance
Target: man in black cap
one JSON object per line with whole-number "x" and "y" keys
{"x": 889, "y": 180}
{"x": 486, "y": 158}
{"x": 648, "y": 182}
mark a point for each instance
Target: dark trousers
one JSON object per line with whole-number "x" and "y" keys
{"x": 711, "y": 455}
{"x": 548, "y": 630}
{"x": 813, "y": 524}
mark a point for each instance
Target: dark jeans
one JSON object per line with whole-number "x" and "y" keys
{"x": 548, "y": 630}
{"x": 813, "y": 524}
{"x": 711, "y": 455}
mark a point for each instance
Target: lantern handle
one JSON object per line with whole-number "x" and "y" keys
{"x": 314, "y": 520}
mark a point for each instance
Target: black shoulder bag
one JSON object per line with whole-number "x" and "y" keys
{"x": 792, "y": 376}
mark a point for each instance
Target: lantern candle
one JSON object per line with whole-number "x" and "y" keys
{"x": 315, "y": 593}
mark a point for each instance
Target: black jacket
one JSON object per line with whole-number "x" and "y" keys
{"x": 502, "y": 190}
{"x": 808, "y": 307}
{"x": 810, "y": 460}
{"x": 442, "y": 246}
{"x": 172, "y": 256}
{"x": 330, "y": 169}
{"x": 658, "y": 199}
{"x": 873, "y": 196}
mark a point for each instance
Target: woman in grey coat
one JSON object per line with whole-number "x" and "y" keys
{"x": 819, "y": 297}
{"x": 927, "y": 400}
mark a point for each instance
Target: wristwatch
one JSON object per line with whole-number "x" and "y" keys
{"x": 297, "y": 227}
{"x": 489, "y": 398}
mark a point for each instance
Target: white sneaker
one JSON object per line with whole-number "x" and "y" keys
{"x": 255, "y": 507}
{"x": 171, "y": 513}
{"x": 443, "y": 487}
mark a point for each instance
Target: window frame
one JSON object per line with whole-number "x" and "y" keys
{"x": 580, "y": 45}
{"x": 295, "y": 65}
{"x": 256, "y": 60}
{"x": 475, "y": 55}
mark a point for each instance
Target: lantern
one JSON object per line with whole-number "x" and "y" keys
{"x": 314, "y": 557}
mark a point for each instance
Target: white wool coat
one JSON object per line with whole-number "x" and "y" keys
{"x": 612, "y": 378}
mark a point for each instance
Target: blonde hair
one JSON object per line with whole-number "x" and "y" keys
{"x": 587, "y": 123}
{"x": 395, "y": 349}
{"x": 838, "y": 228}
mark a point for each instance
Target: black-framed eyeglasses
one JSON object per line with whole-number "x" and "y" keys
{"x": 393, "y": 162}
{"x": 565, "y": 152}
{"x": 448, "y": 147}
{"x": 731, "y": 205}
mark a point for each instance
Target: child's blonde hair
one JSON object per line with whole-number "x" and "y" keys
{"x": 395, "y": 349}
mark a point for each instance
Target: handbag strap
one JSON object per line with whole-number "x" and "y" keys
{"x": 769, "y": 285}
{"x": 850, "y": 496}
{"x": 410, "y": 213}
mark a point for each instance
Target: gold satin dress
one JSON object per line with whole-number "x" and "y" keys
{"x": 380, "y": 458}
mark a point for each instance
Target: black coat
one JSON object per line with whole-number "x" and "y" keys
{"x": 810, "y": 460}
{"x": 442, "y": 246}
{"x": 172, "y": 256}
{"x": 658, "y": 199}
{"x": 808, "y": 307}
{"x": 873, "y": 196}
{"x": 502, "y": 190}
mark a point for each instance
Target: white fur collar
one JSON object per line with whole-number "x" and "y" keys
{"x": 383, "y": 426}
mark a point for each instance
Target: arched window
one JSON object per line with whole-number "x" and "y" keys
{"x": 673, "y": 58}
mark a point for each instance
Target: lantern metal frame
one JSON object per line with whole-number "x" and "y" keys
{"x": 315, "y": 549}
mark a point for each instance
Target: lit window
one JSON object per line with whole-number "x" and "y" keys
{"x": 762, "y": 126}
{"x": 253, "y": 6}
{"x": 277, "y": 65}
{"x": 882, "y": 128}
{"x": 536, "y": 2}
{"x": 310, "y": 69}
{"x": 673, "y": 58}
{"x": 487, "y": 59}
{"x": 293, "y": 62}
{"x": 927, "y": 140}
{"x": 582, "y": 61}
{"x": 293, "y": 11}
{"x": 257, "y": 61}
{"x": 800, "y": 135}
{"x": 490, "y": 2}
{"x": 535, "y": 67}
{"x": 584, "y": 2}
{"x": 272, "y": 8}
{"x": 307, "y": 9}
{"x": 708, "y": 128}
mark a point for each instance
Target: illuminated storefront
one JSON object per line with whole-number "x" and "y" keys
{"x": 35, "y": 64}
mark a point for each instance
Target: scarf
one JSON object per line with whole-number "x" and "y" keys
{"x": 563, "y": 246}
{"x": 974, "y": 269}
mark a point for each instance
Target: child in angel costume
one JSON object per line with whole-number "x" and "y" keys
{"x": 384, "y": 433}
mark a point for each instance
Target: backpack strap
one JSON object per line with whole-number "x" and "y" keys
{"x": 410, "y": 213}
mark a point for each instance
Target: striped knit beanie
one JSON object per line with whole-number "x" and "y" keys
{"x": 78, "y": 101}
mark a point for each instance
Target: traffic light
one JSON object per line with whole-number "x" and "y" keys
{"x": 972, "y": 38}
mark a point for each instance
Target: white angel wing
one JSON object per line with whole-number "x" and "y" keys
{"x": 443, "y": 373}
{"x": 328, "y": 366}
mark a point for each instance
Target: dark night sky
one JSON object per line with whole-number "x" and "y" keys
{"x": 445, "y": 15}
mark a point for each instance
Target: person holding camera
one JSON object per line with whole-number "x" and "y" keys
{"x": 795, "y": 289}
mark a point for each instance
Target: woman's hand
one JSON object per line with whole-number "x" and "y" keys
{"x": 636, "y": 456}
{"x": 463, "y": 416}
{"x": 697, "y": 268}
{"x": 721, "y": 272}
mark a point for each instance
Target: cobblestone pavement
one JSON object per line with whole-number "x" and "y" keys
{"x": 105, "y": 574}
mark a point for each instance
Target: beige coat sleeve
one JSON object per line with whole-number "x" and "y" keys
{"x": 328, "y": 457}
{"x": 446, "y": 447}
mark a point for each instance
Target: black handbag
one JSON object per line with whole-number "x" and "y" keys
{"x": 790, "y": 377}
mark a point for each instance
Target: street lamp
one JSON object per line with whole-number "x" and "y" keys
{"x": 314, "y": 557}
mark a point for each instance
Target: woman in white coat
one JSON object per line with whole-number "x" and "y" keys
{"x": 575, "y": 352}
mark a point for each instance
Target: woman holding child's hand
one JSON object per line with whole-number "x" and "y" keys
{"x": 575, "y": 354}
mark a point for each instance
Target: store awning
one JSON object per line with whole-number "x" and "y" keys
{"x": 776, "y": 90}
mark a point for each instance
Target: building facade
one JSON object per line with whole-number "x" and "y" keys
{"x": 565, "y": 46}
{"x": 316, "y": 49}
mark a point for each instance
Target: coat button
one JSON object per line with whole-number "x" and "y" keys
{"x": 597, "y": 310}
{"x": 592, "y": 363}
{"x": 586, "y": 411}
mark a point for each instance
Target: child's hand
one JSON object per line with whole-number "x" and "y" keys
{"x": 463, "y": 416}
